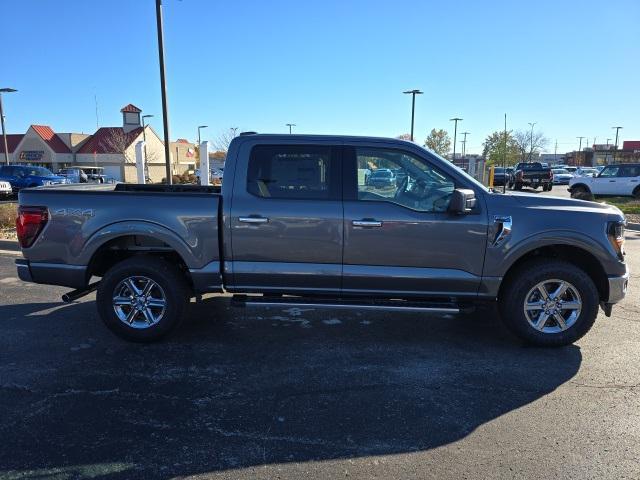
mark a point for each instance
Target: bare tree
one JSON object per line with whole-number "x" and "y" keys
{"x": 223, "y": 140}
{"x": 529, "y": 143}
{"x": 117, "y": 141}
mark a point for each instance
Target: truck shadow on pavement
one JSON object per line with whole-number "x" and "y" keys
{"x": 241, "y": 388}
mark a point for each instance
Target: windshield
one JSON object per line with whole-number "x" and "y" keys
{"x": 37, "y": 172}
{"x": 559, "y": 170}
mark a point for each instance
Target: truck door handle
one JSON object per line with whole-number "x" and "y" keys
{"x": 366, "y": 223}
{"x": 611, "y": 181}
{"x": 253, "y": 219}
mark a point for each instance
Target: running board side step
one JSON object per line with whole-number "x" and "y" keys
{"x": 386, "y": 305}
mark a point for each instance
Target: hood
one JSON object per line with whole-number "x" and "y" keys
{"x": 561, "y": 204}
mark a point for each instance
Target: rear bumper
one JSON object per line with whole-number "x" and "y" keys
{"x": 73, "y": 276}
{"x": 618, "y": 288}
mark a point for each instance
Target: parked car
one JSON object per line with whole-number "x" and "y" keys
{"x": 501, "y": 176}
{"x": 5, "y": 189}
{"x": 619, "y": 180}
{"x": 21, "y": 176}
{"x": 96, "y": 174}
{"x": 74, "y": 175}
{"x": 561, "y": 176}
{"x": 586, "y": 172}
{"x": 381, "y": 178}
{"x": 533, "y": 175}
{"x": 291, "y": 226}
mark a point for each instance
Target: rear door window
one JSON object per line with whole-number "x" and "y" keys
{"x": 293, "y": 172}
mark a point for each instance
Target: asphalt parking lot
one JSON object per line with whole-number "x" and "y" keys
{"x": 273, "y": 393}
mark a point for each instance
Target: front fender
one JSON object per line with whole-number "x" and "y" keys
{"x": 501, "y": 259}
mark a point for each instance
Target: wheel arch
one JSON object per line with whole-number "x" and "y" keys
{"x": 576, "y": 255}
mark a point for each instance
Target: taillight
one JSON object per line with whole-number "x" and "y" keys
{"x": 29, "y": 224}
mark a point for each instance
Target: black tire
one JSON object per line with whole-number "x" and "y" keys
{"x": 636, "y": 193}
{"x": 581, "y": 192}
{"x": 520, "y": 283}
{"x": 173, "y": 286}
{"x": 517, "y": 186}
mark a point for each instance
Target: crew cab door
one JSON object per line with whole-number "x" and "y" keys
{"x": 400, "y": 239}
{"x": 286, "y": 220}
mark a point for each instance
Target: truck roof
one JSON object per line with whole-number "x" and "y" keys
{"x": 298, "y": 137}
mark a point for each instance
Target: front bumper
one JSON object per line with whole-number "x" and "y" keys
{"x": 618, "y": 288}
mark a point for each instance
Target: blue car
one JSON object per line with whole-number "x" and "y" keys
{"x": 23, "y": 176}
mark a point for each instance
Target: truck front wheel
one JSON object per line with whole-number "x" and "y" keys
{"x": 549, "y": 303}
{"x": 143, "y": 298}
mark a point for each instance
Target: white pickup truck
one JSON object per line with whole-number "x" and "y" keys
{"x": 616, "y": 180}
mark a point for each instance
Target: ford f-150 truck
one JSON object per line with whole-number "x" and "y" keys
{"x": 294, "y": 224}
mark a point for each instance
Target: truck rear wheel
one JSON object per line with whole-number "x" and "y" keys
{"x": 143, "y": 298}
{"x": 549, "y": 303}
{"x": 517, "y": 186}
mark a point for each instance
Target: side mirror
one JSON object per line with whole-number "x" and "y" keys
{"x": 463, "y": 201}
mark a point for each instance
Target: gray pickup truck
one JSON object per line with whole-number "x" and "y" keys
{"x": 294, "y": 223}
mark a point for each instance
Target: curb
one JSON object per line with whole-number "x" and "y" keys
{"x": 11, "y": 245}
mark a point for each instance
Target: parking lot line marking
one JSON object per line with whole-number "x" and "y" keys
{"x": 9, "y": 252}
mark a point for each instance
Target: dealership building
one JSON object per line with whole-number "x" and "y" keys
{"x": 112, "y": 148}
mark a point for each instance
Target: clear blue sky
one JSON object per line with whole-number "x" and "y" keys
{"x": 330, "y": 66}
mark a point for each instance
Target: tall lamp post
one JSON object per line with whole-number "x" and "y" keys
{"x": 615, "y": 151}
{"x": 163, "y": 88}
{"x": 531, "y": 139}
{"x": 144, "y": 137}
{"x": 290, "y": 125}
{"x": 455, "y": 133}
{"x": 413, "y": 93}
{"x": 4, "y": 133}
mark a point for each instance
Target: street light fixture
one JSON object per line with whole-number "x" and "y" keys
{"x": 455, "y": 133}
{"x": 531, "y": 139}
{"x": 200, "y": 127}
{"x": 413, "y": 93}
{"x": 290, "y": 125}
{"x": 4, "y": 133}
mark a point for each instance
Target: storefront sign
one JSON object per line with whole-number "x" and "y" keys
{"x": 31, "y": 155}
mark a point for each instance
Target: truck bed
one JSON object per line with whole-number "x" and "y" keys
{"x": 86, "y": 219}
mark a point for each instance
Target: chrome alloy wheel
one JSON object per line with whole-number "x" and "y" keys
{"x": 139, "y": 302}
{"x": 552, "y": 306}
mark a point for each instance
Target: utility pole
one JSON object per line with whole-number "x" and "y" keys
{"x": 464, "y": 147}
{"x": 163, "y": 88}
{"x": 504, "y": 155}
{"x": 615, "y": 151}
{"x": 606, "y": 154}
{"x": 413, "y": 93}
{"x": 555, "y": 153}
{"x": 290, "y": 125}
{"x": 4, "y": 133}
{"x": 455, "y": 132}
{"x": 144, "y": 137}
{"x": 579, "y": 150}
{"x": 531, "y": 138}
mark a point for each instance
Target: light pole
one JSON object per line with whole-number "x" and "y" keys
{"x": 413, "y": 93}
{"x": 4, "y": 133}
{"x": 615, "y": 151}
{"x": 606, "y": 153}
{"x": 455, "y": 133}
{"x": 579, "y": 150}
{"x": 200, "y": 127}
{"x": 144, "y": 137}
{"x": 163, "y": 88}
{"x": 531, "y": 150}
{"x": 290, "y": 125}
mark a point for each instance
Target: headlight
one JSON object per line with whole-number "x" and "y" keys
{"x": 615, "y": 232}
